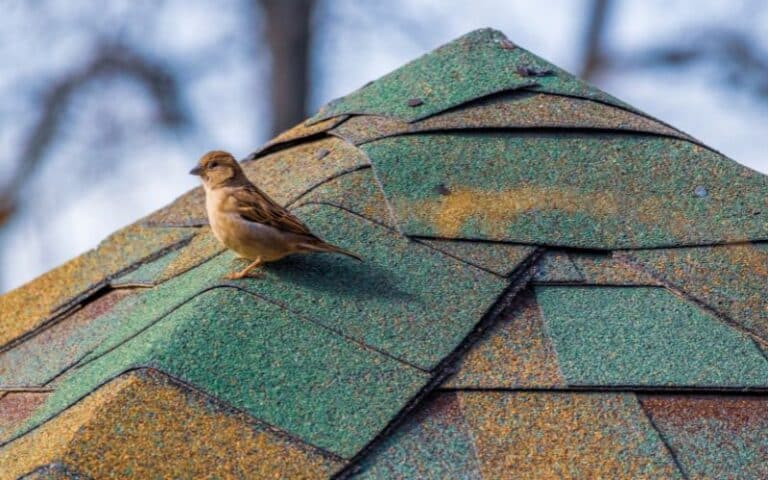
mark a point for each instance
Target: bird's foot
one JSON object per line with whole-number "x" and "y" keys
{"x": 241, "y": 275}
{"x": 246, "y": 271}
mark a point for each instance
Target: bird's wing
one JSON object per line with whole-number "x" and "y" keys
{"x": 256, "y": 206}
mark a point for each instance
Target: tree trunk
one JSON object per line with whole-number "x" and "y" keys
{"x": 593, "y": 56}
{"x": 288, "y": 34}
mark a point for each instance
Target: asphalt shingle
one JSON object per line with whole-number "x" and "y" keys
{"x": 564, "y": 435}
{"x": 645, "y": 337}
{"x": 479, "y": 63}
{"x": 499, "y": 258}
{"x": 598, "y": 191}
{"x": 141, "y": 425}
{"x": 31, "y": 305}
{"x": 53, "y": 350}
{"x": 730, "y": 279}
{"x": 517, "y": 109}
{"x": 514, "y": 353}
{"x": 713, "y": 436}
{"x": 357, "y": 192}
{"x": 434, "y": 443}
{"x": 393, "y": 300}
{"x": 262, "y": 359}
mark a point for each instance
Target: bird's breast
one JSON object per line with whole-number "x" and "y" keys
{"x": 247, "y": 239}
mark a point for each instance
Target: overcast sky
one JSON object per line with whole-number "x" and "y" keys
{"x": 112, "y": 164}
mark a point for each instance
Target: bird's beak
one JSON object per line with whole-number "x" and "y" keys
{"x": 196, "y": 171}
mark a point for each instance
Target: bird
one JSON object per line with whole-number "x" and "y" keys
{"x": 247, "y": 221}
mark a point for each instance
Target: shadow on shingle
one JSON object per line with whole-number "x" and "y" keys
{"x": 342, "y": 277}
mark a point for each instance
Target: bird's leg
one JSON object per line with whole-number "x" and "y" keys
{"x": 244, "y": 272}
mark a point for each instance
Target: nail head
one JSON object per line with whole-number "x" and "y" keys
{"x": 700, "y": 191}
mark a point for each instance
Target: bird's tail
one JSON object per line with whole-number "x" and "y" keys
{"x": 322, "y": 246}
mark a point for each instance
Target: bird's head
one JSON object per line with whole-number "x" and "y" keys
{"x": 218, "y": 169}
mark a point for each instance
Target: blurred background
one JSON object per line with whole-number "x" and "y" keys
{"x": 105, "y": 105}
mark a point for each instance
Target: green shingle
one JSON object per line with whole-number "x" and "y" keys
{"x": 600, "y": 191}
{"x": 357, "y": 192}
{"x": 148, "y": 306}
{"x": 731, "y": 279}
{"x": 147, "y": 274}
{"x": 499, "y": 258}
{"x": 275, "y": 365}
{"x": 645, "y": 336}
{"x": 434, "y": 443}
{"x": 475, "y": 65}
{"x": 405, "y": 299}
{"x": 300, "y": 131}
{"x": 200, "y": 249}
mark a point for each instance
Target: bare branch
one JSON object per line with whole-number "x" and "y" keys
{"x": 108, "y": 61}
{"x": 736, "y": 57}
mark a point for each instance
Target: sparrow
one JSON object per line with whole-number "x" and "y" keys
{"x": 245, "y": 220}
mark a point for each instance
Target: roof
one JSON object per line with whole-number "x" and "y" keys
{"x": 555, "y": 285}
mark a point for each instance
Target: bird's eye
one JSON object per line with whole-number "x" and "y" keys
{"x": 213, "y": 164}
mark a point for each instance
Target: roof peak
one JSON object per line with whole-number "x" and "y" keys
{"x": 480, "y": 63}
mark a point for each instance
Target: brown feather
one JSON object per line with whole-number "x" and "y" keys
{"x": 323, "y": 246}
{"x": 256, "y": 206}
